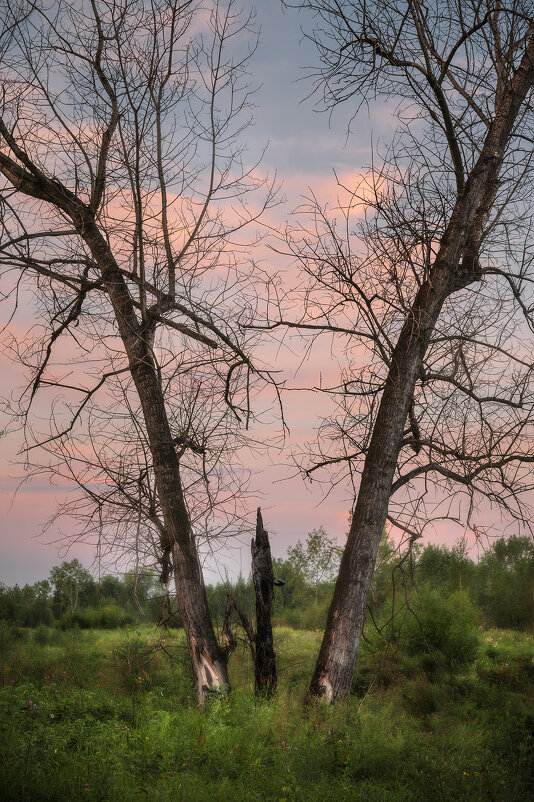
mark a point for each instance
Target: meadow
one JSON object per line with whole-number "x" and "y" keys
{"x": 111, "y": 715}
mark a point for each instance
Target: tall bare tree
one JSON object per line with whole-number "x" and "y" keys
{"x": 433, "y": 278}
{"x": 123, "y": 209}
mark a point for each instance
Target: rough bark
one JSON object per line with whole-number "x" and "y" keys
{"x": 209, "y": 664}
{"x": 262, "y": 576}
{"x": 452, "y": 269}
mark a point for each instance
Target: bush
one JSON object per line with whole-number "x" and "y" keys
{"x": 381, "y": 665}
{"x": 422, "y": 698}
{"x": 444, "y": 628}
{"x": 516, "y": 674}
{"x": 108, "y": 616}
{"x": 133, "y": 658}
{"x": 41, "y": 635}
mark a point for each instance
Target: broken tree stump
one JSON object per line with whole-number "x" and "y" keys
{"x": 262, "y": 577}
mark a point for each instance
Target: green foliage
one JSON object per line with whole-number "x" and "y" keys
{"x": 499, "y": 586}
{"x": 306, "y": 580}
{"x": 242, "y": 592}
{"x": 308, "y": 574}
{"x": 26, "y": 606}
{"x": 434, "y": 715}
{"x": 422, "y": 697}
{"x": 41, "y": 635}
{"x": 111, "y": 587}
{"x": 133, "y": 657}
{"x": 386, "y": 562}
{"x": 447, "y": 570}
{"x": 467, "y": 738}
{"x": 444, "y": 628}
{"x": 73, "y": 585}
{"x": 289, "y": 595}
{"x": 316, "y": 560}
{"x": 507, "y": 662}
{"x": 106, "y": 616}
{"x": 71, "y": 598}
{"x": 506, "y": 582}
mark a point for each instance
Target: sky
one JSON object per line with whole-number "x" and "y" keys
{"x": 304, "y": 148}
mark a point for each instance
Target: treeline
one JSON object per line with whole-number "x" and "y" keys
{"x": 499, "y": 587}
{"x": 71, "y": 597}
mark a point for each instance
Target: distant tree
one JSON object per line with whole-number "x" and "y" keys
{"x": 110, "y": 587}
{"x": 447, "y": 569}
{"x": 289, "y": 595}
{"x": 7, "y": 611}
{"x": 505, "y": 581}
{"x": 386, "y": 561}
{"x": 42, "y": 612}
{"x": 316, "y": 560}
{"x": 73, "y": 585}
{"x": 26, "y": 606}
{"x": 42, "y": 589}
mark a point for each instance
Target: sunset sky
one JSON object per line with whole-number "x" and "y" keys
{"x": 304, "y": 149}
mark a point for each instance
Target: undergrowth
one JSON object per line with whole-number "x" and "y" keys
{"x": 109, "y": 715}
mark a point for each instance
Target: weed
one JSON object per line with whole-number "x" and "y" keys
{"x": 67, "y": 733}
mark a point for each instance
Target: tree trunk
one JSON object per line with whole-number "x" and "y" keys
{"x": 454, "y": 268}
{"x": 230, "y": 640}
{"x": 209, "y": 664}
{"x": 262, "y": 576}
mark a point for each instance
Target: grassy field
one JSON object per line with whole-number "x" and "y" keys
{"x": 111, "y": 716}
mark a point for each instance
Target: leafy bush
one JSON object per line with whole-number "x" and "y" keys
{"x": 421, "y": 697}
{"x": 41, "y": 635}
{"x": 444, "y": 628}
{"x": 107, "y": 616}
{"x": 517, "y": 674}
{"x": 381, "y": 665}
{"x": 133, "y": 658}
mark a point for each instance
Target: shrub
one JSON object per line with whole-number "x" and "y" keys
{"x": 41, "y": 635}
{"x": 516, "y": 674}
{"x": 381, "y": 667}
{"x": 421, "y": 697}
{"x": 444, "y": 628}
{"x": 133, "y": 658}
{"x": 108, "y": 616}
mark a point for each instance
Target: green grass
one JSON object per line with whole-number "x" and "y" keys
{"x": 111, "y": 715}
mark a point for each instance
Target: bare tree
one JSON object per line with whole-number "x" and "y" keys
{"x": 107, "y": 468}
{"x": 123, "y": 213}
{"x": 426, "y": 275}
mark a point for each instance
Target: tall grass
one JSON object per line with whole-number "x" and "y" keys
{"x": 111, "y": 716}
